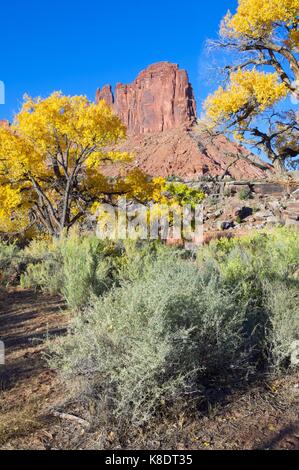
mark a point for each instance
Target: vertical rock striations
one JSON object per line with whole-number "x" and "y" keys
{"x": 160, "y": 98}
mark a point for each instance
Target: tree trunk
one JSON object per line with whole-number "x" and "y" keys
{"x": 279, "y": 166}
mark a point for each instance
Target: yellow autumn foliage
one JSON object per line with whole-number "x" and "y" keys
{"x": 257, "y": 18}
{"x": 51, "y": 160}
{"x": 247, "y": 89}
{"x": 262, "y": 73}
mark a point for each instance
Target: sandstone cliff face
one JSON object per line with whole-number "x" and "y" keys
{"x": 160, "y": 98}
{"x": 159, "y": 111}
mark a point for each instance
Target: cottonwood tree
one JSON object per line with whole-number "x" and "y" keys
{"x": 258, "y": 103}
{"x": 50, "y": 164}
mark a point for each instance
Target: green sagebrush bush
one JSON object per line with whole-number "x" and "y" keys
{"x": 264, "y": 266}
{"x": 154, "y": 340}
{"x": 85, "y": 270}
{"x": 74, "y": 266}
{"x": 44, "y": 266}
{"x": 174, "y": 326}
{"x": 282, "y": 333}
{"x": 10, "y": 263}
{"x": 135, "y": 258}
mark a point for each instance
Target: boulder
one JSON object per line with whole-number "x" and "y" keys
{"x": 263, "y": 215}
{"x": 225, "y": 224}
{"x": 235, "y": 188}
{"x": 264, "y": 189}
{"x": 243, "y": 212}
{"x": 292, "y": 211}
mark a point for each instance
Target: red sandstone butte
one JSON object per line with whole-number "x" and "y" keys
{"x": 160, "y": 98}
{"x": 159, "y": 111}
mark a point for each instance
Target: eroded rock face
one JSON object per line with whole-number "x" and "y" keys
{"x": 160, "y": 98}
{"x": 159, "y": 111}
{"x": 105, "y": 94}
{"x": 186, "y": 154}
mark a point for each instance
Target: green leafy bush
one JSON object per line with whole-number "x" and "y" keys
{"x": 135, "y": 258}
{"x": 282, "y": 303}
{"x": 156, "y": 327}
{"x": 184, "y": 195}
{"x": 44, "y": 266}
{"x": 267, "y": 254}
{"x": 245, "y": 194}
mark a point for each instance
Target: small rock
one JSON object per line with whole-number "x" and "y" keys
{"x": 243, "y": 212}
{"x": 295, "y": 194}
{"x": 218, "y": 213}
{"x": 262, "y": 215}
{"x": 292, "y": 211}
{"x": 293, "y": 206}
{"x": 274, "y": 205}
{"x": 225, "y": 224}
{"x": 274, "y": 220}
{"x": 291, "y": 215}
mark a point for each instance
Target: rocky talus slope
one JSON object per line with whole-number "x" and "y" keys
{"x": 233, "y": 209}
{"x": 190, "y": 154}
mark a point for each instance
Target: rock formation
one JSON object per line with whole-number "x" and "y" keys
{"x": 159, "y": 111}
{"x": 191, "y": 155}
{"x": 160, "y": 98}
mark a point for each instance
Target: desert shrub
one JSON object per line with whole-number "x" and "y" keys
{"x": 154, "y": 340}
{"x": 262, "y": 266}
{"x": 245, "y": 194}
{"x": 85, "y": 269}
{"x": 136, "y": 258}
{"x": 282, "y": 303}
{"x": 227, "y": 192}
{"x": 44, "y": 266}
{"x": 7, "y": 253}
{"x": 10, "y": 263}
{"x": 184, "y": 195}
{"x": 74, "y": 266}
{"x": 172, "y": 327}
{"x": 46, "y": 275}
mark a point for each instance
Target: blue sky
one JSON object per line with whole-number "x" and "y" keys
{"x": 77, "y": 46}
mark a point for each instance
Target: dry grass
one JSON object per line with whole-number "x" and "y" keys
{"x": 20, "y": 421}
